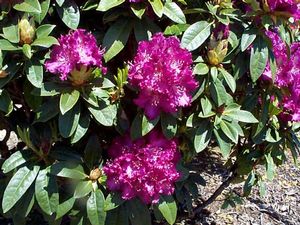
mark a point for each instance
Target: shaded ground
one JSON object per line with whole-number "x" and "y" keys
{"x": 280, "y": 205}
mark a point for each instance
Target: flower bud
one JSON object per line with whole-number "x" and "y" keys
{"x": 217, "y": 47}
{"x": 79, "y": 77}
{"x": 95, "y": 174}
{"x": 3, "y": 74}
{"x": 27, "y": 30}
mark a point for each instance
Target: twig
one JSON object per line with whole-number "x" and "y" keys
{"x": 217, "y": 192}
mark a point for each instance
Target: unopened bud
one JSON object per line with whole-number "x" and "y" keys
{"x": 3, "y": 74}
{"x": 95, "y": 174}
{"x": 27, "y": 31}
{"x": 79, "y": 77}
{"x": 217, "y": 52}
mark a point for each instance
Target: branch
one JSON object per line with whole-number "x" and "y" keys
{"x": 217, "y": 192}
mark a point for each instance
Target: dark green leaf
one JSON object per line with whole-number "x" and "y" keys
{"x": 92, "y": 152}
{"x": 46, "y": 192}
{"x": 95, "y": 208}
{"x": 64, "y": 207}
{"x": 68, "y": 100}
{"x": 258, "y": 58}
{"x": 138, "y": 212}
{"x": 69, "y": 14}
{"x": 82, "y": 128}
{"x": 15, "y": 160}
{"x": 168, "y": 125}
{"x": 116, "y": 38}
{"x": 17, "y": 186}
{"x": 202, "y": 136}
{"x": 68, "y": 122}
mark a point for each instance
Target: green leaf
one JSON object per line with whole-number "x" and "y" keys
{"x": 26, "y": 48}
{"x": 35, "y": 73}
{"x": 17, "y": 186}
{"x": 66, "y": 169}
{"x": 249, "y": 183}
{"x": 138, "y": 212}
{"x": 64, "y": 207}
{"x": 258, "y": 58}
{"x": 39, "y": 17}
{"x": 174, "y": 12}
{"x": 69, "y": 14}
{"x": 50, "y": 89}
{"x": 16, "y": 159}
{"x": 247, "y": 39}
{"x": 46, "y": 192}
{"x": 105, "y": 5}
{"x": 5, "y": 45}
{"x": 68, "y": 100}
{"x": 60, "y": 2}
{"x": 168, "y": 125}
{"x": 82, "y": 128}
{"x": 229, "y": 130}
{"x": 118, "y": 216}
{"x": 44, "y": 30}
{"x": 105, "y": 114}
{"x": 47, "y": 111}
{"x": 270, "y": 167}
{"x": 11, "y": 33}
{"x": 157, "y": 7}
{"x": 45, "y": 42}
{"x": 6, "y": 104}
{"x": 95, "y": 208}
{"x": 141, "y": 126}
{"x": 116, "y": 37}
{"x": 112, "y": 201}
{"x": 167, "y": 207}
{"x": 138, "y": 9}
{"x": 92, "y": 152}
{"x": 30, "y": 6}
{"x": 241, "y": 115}
{"x": 229, "y": 79}
{"x": 223, "y": 142}
{"x": 202, "y": 136}
{"x": 195, "y": 35}
{"x": 68, "y": 122}
{"x": 201, "y": 69}
{"x": 218, "y": 92}
{"x": 83, "y": 188}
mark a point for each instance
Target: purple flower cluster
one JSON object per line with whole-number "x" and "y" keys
{"x": 76, "y": 49}
{"x": 145, "y": 168}
{"x": 286, "y": 7}
{"x": 287, "y": 76}
{"x": 162, "y": 72}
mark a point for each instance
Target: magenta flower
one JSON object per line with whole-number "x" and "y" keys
{"x": 76, "y": 49}
{"x": 145, "y": 168}
{"x": 286, "y": 7}
{"x": 162, "y": 72}
{"x": 287, "y": 76}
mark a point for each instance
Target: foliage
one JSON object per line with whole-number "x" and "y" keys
{"x": 66, "y": 127}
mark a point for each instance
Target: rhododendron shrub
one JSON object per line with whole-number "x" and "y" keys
{"x": 112, "y": 102}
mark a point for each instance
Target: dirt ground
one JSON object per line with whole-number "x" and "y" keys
{"x": 280, "y": 205}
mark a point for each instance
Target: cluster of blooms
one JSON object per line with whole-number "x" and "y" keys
{"x": 287, "y": 76}
{"x": 289, "y": 7}
{"x": 145, "y": 168}
{"x": 76, "y": 49}
{"x": 162, "y": 72}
